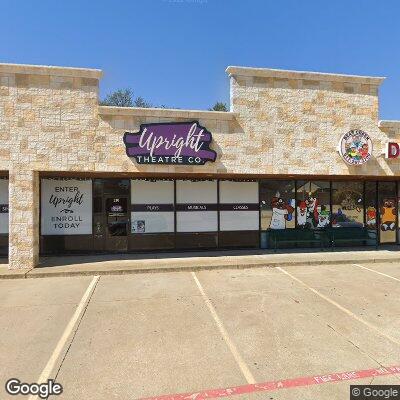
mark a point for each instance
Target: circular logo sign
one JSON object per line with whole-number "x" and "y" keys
{"x": 355, "y": 147}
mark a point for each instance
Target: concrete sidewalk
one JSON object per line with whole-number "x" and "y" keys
{"x": 118, "y": 264}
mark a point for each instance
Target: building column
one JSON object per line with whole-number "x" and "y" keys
{"x": 23, "y": 250}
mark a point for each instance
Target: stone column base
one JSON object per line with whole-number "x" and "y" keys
{"x": 24, "y": 219}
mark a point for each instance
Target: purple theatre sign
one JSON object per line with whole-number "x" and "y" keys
{"x": 186, "y": 143}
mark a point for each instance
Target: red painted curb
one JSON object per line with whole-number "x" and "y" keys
{"x": 283, "y": 384}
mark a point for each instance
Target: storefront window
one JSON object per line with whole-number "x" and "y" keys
{"x": 370, "y": 206}
{"x": 398, "y": 213}
{"x": 66, "y": 215}
{"x": 347, "y": 204}
{"x": 277, "y": 202}
{"x": 239, "y": 213}
{"x": 387, "y": 211}
{"x": 66, "y": 207}
{"x": 152, "y": 206}
{"x": 196, "y": 214}
{"x": 155, "y": 214}
{"x": 3, "y": 206}
{"x": 152, "y": 214}
{"x": 313, "y": 204}
{"x": 3, "y": 216}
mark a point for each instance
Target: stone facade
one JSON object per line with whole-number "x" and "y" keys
{"x": 297, "y": 119}
{"x": 281, "y": 122}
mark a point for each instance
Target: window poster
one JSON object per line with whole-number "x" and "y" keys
{"x": 152, "y": 206}
{"x": 197, "y": 206}
{"x": 138, "y": 226}
{"x": 239, "y": 206}
{"x": 3, "y": 206}
{"x": 66, "y": 207}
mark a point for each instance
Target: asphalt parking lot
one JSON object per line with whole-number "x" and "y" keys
{"x": 262, "y": 333}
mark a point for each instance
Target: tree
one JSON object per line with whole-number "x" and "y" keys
{"x": 119, "y": 98}
{"x": 124, "y": 98}
{"x": 141, "y": 102}
{"x": 219, "y": 106}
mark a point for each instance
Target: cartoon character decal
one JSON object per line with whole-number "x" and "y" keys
{"x": 312, "y": 211}
{"x": 281, "y": 213}
{"x": 302, "y": 214}
{"x": 323, "y": 218}
{"x": 388, "y": 215}
{"x": 351, "y": 200}
{"x": 311, "y": 215}
{"x": 371, "y": 217}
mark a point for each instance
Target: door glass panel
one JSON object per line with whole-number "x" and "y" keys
{"x": 117, "y": 228}
{"x": 116, "y": 208}
{"x": 387, "y": 211}
{"x": 117, "y": 214}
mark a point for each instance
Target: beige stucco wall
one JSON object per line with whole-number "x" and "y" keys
{"x": 281, "y": 123}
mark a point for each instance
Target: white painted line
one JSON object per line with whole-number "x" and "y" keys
{"x": 376, "y": 272}
{"x": 232, "y": 347}
{"x": 345, "y": 310}
{"x": 45, "y": 375}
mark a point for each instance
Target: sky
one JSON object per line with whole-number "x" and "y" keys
{"x": 175, "y": 52}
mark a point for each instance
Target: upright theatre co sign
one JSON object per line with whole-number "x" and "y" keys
{"x": 355, "y": 147}
{"x": 177, "y": 143}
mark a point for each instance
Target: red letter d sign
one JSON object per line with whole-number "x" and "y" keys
{"x": 393, "y": 150}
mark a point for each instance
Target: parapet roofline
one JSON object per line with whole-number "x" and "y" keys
{"x": 307, "y": 75}
{"x": 167, "y": 112}
{"x": 51, "y": 70}
{"x": 384, "y": 123}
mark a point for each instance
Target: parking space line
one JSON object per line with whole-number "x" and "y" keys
{"x": 345, "y": 310}
{"x": 282, "y": 384}
{"x": 376, "y": 272}
{"x": 45, "y": 375}
{"x": 232, "y": 347}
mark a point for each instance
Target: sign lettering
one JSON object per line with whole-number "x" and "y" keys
{"x": 186, "y": 143}
{"x": 66, "y": 207}
{"x": 392, "y": 150}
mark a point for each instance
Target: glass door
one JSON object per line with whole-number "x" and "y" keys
{"x": 110, "y": 214}
{"x": 387, "y": 203}
{"x": 117, "y": 223}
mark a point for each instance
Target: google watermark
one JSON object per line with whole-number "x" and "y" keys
{"x": 375, "y": 392}
{"x": 15, "y": 387}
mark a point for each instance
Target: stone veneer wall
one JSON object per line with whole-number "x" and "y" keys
{"x": 50, "y": 121}
{"x": 296, "y": 120}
